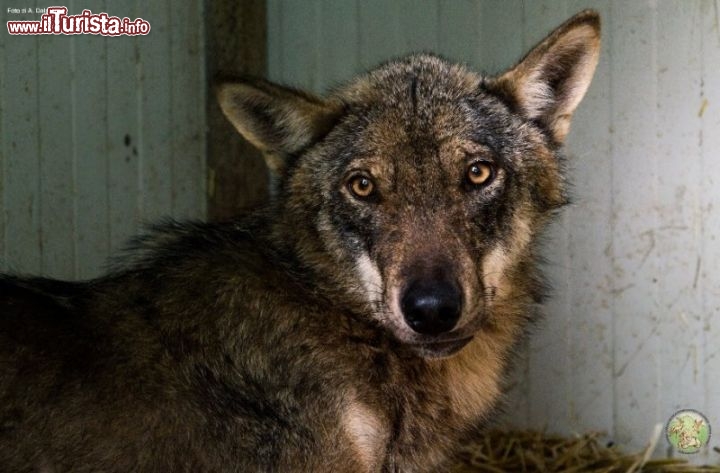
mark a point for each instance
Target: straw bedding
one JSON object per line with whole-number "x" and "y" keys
{"x": 531, "y": 451}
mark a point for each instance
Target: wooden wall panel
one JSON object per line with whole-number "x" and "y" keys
{"x": 99, "y": 135}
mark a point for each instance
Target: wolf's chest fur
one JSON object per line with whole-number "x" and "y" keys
{"x": 464, "y": 391}
{"x": 361, "y": 322}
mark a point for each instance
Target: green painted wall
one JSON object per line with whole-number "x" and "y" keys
{"x": 98, "y": 134}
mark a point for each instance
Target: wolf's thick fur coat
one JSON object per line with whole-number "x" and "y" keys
{"x": 297, "y": 337}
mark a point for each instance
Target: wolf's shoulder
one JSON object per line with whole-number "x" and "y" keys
{"x": 170, "y": 243}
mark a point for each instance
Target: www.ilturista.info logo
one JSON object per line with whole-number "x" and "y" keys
{"x": 55, "y": 20}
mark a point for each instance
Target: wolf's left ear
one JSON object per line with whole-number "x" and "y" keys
{"x": 278, "y": 120}
{"x": 550, "y": 81}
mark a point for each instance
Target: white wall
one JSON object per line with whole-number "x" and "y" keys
{"x": 633, "y": 331}
{"x": 98, "y": 134}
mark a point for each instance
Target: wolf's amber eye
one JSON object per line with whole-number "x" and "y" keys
{"x": 361, "y": 186}
{"x": 480, "y": 173}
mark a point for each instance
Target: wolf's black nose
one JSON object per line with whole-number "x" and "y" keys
{"x": 431, "y": 307}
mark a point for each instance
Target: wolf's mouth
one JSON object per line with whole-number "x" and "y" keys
{"x": 440, "y": 349}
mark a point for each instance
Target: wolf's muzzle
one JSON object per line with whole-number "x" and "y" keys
{"x": 431, "y": 307}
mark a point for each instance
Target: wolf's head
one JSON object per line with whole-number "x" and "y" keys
{"x": 421, "y": 185}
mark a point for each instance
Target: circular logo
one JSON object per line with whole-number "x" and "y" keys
{"x": 688, "y": 431}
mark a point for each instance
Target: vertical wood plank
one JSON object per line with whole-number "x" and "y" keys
{"x": 275, "y": 40}
{"x": 677, "y": 238}
{"x": 300, "y": 47}
{"x": 92, "y": 234}
{"x": 709, "y": 114}
{"x": 501, "y": 34}
{"x": 459, "y": 31}
{"x": 548, "y": 360}
{"x": 187, "y": 110}
{"x": 236, "y": 42}
{"x": 419, "y": 25}
{"x": 380, "y": 34}
{"x": 590, "y": 315}
{"x": 21, "y": 135}
{"x": 3, "y": 159}
{"x": 123, "y": 128}
{"x": 57, "y": 165}
{"x": 635, "y": 265}
{"x": 338, "y": 58}
{"x": 157, "y": 168}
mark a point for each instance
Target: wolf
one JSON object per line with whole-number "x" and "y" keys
{"x": 361, "y": 321}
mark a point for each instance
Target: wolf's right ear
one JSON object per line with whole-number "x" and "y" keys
{"x": 279, "y": 121}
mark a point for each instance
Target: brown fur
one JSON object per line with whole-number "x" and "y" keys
{"x": 281, "y": 341}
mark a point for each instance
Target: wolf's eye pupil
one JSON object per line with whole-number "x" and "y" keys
{"x": 480, "y": 173}
{"x": 361, "y": 186}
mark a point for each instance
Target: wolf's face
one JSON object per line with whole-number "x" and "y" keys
{"x": 432, "y": 187}
{"x": 424, "y": 183}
